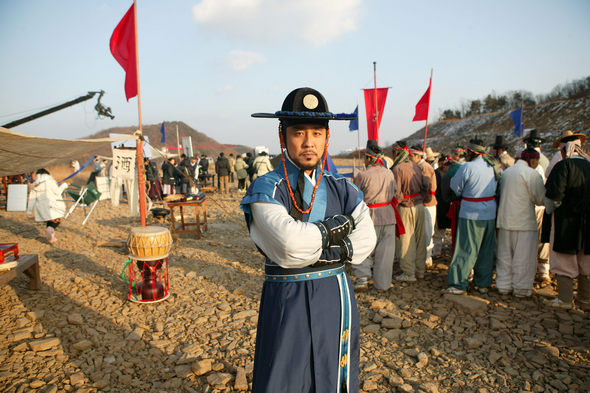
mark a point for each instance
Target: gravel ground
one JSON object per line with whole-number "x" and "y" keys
{"x": 79, "y": 333}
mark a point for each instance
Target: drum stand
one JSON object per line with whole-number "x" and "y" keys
{"x": 149, "y": 284}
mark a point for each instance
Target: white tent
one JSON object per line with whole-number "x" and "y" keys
{"x": 21, "y": 153}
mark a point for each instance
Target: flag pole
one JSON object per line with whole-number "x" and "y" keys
{"x": 375, "y": 101}
{"x": 139, "y": 141}
{"x": 427, "y": 111}
{"x": 521, "y": 121}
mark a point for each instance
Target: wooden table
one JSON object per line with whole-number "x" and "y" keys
{"x": 199, "y": 205}
{"x": 28, "y": 264}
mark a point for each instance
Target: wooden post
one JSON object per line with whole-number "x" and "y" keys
{"x": 375, "y": 100}
{"x": 139, "y": 141}
{"x": 426, "y": 129}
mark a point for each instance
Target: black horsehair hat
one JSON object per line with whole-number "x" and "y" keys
{"x": 533, "y": 138}
{"x": 499, "y": 143}
{"x": 305, "y": 104}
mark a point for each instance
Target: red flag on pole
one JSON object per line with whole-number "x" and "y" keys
{"x": 374, "y": 119}
{"x": 422, "y": 106}
{"x": 123, "y": 50}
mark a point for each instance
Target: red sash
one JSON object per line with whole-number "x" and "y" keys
{"x": 411, "y": 196}
{"x": 399, "y": 225}
{"x": 453, "y": 213}
{"x": 485, "y": 199}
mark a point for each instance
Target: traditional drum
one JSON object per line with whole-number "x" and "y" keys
{"x": 149, "y": 243}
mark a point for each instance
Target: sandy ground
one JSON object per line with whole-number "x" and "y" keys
{"x": 79, "y": 333}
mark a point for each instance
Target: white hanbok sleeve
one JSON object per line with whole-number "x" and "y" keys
{"x": 294, "y": 244}
{"x": 286, "y": 241}
{"x": 363, "y": 237}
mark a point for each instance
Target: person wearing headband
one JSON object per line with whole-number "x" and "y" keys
{"x": 418, "y": 157}
{"x": 521, "y": 189}
{"x": 308, "y": 223}
{"x": 475, "y": 182}
{"x": 378, "y": 186}
{"x": 412, "y": 193}
{"x": 567, "y": 196}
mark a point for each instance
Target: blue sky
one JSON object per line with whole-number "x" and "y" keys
{"x": 211, "y": 63}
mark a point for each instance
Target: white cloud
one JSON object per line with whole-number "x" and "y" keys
{"x": 315, "y": 21}
{"x": 240, "y": 60}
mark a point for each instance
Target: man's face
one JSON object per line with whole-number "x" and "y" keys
{"x": 497, "y": 151}
{"x": 533, "y": 163}
{"x": 305, "y": 144}
{"x": 415, "y": 158}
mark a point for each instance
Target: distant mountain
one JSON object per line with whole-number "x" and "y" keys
{"x": 202, "y": 144}
{"x": 550, "y": 119}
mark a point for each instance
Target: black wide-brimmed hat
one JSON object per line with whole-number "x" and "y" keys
{"x": 499, "y": 143}
{"x": 533, "y": 138}
{"x": 305, "y": 104}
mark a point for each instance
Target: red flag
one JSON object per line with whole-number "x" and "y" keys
{"x": 374, "y": 121}
{"x": 423, "y": 105}
{"x": 123, "y": 49}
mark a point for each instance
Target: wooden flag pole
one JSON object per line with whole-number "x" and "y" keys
{"x": 375, "y": 100}
{"x": 521, "y": 131}
{"x": 427, "y": 111}
{"x": 139, "y": 141}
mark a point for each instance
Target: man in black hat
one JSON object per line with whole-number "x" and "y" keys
{"x": 307, "y": 222}
{"x": 378, "y": 186}
{"x": 500, "y": 153}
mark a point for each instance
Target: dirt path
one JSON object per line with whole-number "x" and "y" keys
{"x": 79, "y": 333}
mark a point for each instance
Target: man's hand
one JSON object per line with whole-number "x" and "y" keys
{"x": 334, "y": 229}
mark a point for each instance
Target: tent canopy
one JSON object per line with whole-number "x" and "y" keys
{"x": 21, "y": 153}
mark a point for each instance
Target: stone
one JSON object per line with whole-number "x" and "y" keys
{"x": 183, "y": 371}
{"x": 393, "y": 334}
{"x": 496, "y": 325}
{"x": 392, "y": 323}
{"x": 372, "y": 328}
{"x": 83, "y": 345}
{"x": 422, "y": 360}
{"x": 34, "y": 315}
{"x": 218, "y": 380}
{"x": 224, "y": 306}
{"x": 241, "y": 382}
{"x": 551, "y": 350}
{"x": 405, "y": 388}
{"x": 369, "y": 385}
{"x": 77, "y": 379}
{"x": 186, "y": 358}
{"x": 468, "y": 303}
{"x": 75, "y": 319}
{"x": 396, "y": 380}
{"x": 202, "y": 366}
{"x": 474, "y": 342}
{"x": 36, "y": 384}
{"x": 43, "y": 344}
{"x": 494, "y": 356}
{"x": 20, "y": 334}
{"x": 245, "y": 314}
{"x": 378, "y": 304}
{"x": 557, "y": 384}
{"x": 136, "y": 334}
{"x": 49, "y": 389}
{"x": 428, "y": 387}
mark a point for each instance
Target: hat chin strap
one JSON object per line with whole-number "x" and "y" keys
{"x": 317, "y": 183}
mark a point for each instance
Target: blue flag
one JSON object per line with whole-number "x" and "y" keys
{"x": 354, "y": 124}
{"x": 163, "y": 132}
{"x": 516, "y": 118}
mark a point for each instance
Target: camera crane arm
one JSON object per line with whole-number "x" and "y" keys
{"x": 100, "y": 109}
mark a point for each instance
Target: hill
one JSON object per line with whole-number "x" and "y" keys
{"x": 202, "y": 144}
{"x": 550, "y": 119}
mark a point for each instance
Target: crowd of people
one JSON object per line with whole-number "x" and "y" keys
{"x": 521, "y": 217}
{"x": 182, "y": 177}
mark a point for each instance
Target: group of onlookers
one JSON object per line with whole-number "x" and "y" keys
{"x": 182, "y": 177}
{"x": 517, "y": 217}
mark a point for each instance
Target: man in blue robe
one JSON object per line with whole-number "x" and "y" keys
{"x": 308, "y": 223}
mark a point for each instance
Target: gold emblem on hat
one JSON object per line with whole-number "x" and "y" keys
{"x": 310, "y": 101}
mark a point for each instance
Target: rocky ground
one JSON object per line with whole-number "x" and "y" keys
{"x": 79, "y": 333}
